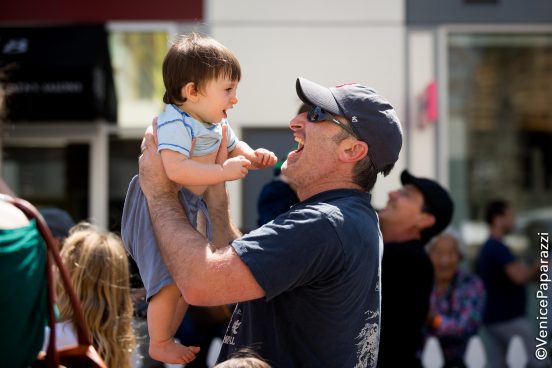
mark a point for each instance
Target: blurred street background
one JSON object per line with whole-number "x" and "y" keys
{"x": 470, "y": 79}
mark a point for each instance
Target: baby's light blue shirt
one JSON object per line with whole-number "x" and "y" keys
{"x": 176, "y": 130}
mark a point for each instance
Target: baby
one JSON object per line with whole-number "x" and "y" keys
{"x": 201, "y": 77}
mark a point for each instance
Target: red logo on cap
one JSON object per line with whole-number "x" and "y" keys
{"x": 346, "y": 84}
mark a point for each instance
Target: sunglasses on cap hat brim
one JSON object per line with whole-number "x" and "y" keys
{"x": 317, "y": 114}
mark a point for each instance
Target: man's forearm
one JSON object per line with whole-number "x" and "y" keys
{"x": 205, "y": 276}
{"x": 224, "y": 230}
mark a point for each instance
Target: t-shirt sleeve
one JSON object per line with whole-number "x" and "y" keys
{"x": 175, "y": 135}
{"x": 232, "y": 140}
{"x": 298, "y": 248}
{"x": 504, "y": 256}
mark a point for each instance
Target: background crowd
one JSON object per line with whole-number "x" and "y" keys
{"x": 430, "y": 289}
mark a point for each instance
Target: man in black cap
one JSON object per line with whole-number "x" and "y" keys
{"x": 276, "y": 197}
{"x": 414, "y": 214}
{"x": 59, "y": 221}
{"x": 307, "y": 283}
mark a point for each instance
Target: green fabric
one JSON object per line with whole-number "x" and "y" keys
{"x": 24, "y": 295}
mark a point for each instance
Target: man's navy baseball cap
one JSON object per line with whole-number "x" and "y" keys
{"x": 371, "y": 117}
{"x": 437, "y": 201}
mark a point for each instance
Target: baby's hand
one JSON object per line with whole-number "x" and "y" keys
{"x": 264, "y": 158}
{"x": 235, "y": 168}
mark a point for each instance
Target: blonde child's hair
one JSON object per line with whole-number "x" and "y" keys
{"x": 98, "y": 267}
{"x": 244, "y": 358}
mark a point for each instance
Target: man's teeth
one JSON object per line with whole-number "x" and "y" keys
{"x": 300, "y": 143}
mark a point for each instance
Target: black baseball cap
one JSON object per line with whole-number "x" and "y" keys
{"x": 371, "y": 117}
{"x": 437, "y": 201}
{"x": 58, "y": 220}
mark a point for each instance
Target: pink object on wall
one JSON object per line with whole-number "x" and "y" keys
{"x": 431, "y": 108}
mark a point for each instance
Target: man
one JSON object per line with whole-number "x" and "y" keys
{"x": 504, "y": 277}
{"x": 59, "y": 221}
{"x": 307, "y": 283}
{"x": 414, "y": 214}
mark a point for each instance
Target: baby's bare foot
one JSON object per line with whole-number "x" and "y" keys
{"x": 169, "y": 351}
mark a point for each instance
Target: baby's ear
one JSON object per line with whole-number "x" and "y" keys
{"x": 189, "y": 92}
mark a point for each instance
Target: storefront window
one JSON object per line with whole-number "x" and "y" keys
{"x": 137, "y": 58}
{"x": 500, "y": 124}
{"x": 50, "y": 176}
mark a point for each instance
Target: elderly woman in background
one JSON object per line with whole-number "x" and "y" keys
{"x": 457, "y": 299}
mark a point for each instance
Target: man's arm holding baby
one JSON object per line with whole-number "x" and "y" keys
{"x": 206, "y": 274}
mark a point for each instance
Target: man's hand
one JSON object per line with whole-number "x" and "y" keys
{"x": 216, "y": 195}
{"x": 153, "y": 179}
{"x": 264, "y": 158}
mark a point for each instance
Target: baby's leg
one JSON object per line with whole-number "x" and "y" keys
{"x": 165, "y": 313}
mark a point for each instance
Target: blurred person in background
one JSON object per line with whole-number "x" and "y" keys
{"x": 98, "y": 267}
{"x": 59, "y": 222}
{"x": 457, "y": 299}
{"x": 504, "y": 277}
{"x": 276, "y": 197}
{"x": 414, "y": 214}
{"x": 244, "y": 358}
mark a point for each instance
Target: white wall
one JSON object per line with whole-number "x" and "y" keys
{"x": 312, "y": 11}
{"x": 421, "y": 147}
{"x": 326, "y": 41}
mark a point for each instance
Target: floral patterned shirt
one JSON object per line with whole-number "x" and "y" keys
{"x": 460, "y": 310}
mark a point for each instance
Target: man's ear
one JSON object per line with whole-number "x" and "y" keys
{"x": 190, "y": 92}
{"x": 353, "y": 150}
{"x": 426, "y": 220}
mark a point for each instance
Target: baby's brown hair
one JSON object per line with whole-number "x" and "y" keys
{"x": 197, "y": 59}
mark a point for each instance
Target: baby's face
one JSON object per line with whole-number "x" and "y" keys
{"x": 216, "y": 98}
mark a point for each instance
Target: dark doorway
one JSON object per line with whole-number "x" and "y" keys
{"x": 278, "y": 140}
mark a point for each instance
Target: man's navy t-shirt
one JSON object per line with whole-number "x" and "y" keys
{"x": 505, "y": 299}
{"x": 319, "y": 264}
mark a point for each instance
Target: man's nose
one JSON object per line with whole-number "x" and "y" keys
{"x": 234, "y": 99}
{"x": 298, "y": 122}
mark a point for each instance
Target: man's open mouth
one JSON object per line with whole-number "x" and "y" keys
{"x": 300, "y": 144}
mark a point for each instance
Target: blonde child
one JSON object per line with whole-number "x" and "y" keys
{"x": 244, "y": 358}
{"x": 98, "y": 267}
{"x": 201, "y": 78}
